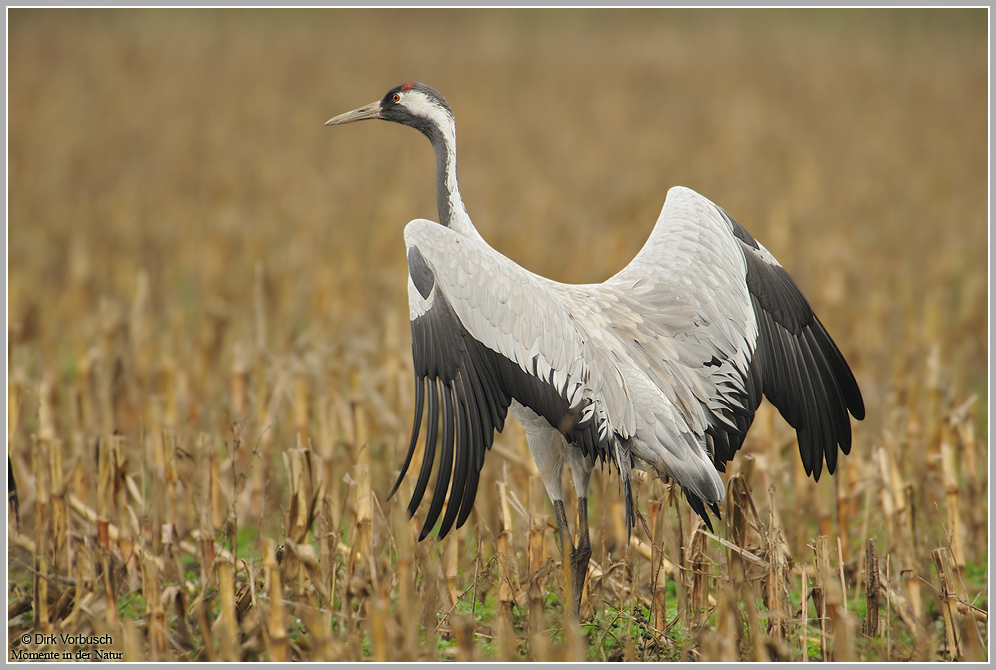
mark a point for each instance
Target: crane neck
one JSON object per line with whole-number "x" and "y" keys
{"x": 452, "y": 212}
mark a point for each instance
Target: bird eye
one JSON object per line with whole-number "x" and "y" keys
{"x": 396, "y": 97}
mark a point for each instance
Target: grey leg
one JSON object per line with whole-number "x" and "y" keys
{"x": 575, "y": 558}
{"x": 568, "y": 551}
{"x": 581, "y": 555}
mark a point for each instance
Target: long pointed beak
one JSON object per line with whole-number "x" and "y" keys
{"x": 371, "y": 111}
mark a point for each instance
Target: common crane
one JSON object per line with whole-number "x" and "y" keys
{"x": 661, "y": 367}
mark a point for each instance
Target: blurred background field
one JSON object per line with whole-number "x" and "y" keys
{"x": 209, "y": 387}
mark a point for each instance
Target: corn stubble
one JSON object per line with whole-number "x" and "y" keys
{"x": 209, "y": 388}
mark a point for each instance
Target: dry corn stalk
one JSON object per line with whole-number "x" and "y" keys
{"x": 506, "y": 601}
{"x": 804, "y": 619}
{"x": 658, "y": 582}
{"x": 537, "y": 556}
{"x": 952, "y": 492}
{"x": 870, "y": 626}
{"x": 451, "y": 565}
{"x": 820, "y": 592}
{"x": 406, "y": 577}
{"x": 277, "y": 637}
{"x": 41, "y": 560}
{"x": 776, "y": 591}
{"x": 227, "y": 619}
{"x": 154, "y": 612}
{"x": 697, "y": 562}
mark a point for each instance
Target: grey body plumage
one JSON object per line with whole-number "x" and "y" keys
{"x": 661, "y": 367}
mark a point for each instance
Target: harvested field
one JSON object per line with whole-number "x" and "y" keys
{"x": 209, "y": 360}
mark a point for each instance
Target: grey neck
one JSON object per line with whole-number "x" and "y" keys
{"x": 452, "y": 212}
{"x": 446, "y": 183}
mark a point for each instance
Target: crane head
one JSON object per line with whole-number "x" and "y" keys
{"x": 415, "y": 105}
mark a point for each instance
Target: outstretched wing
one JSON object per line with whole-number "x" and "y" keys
{"x": 801, "y": 369}
{"x": 755, "y": 334}
{"x": 704, "y": 315}
{"x": 485, "y": 331}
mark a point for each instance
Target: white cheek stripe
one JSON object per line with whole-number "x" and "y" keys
{"x": 419, "y": 105}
